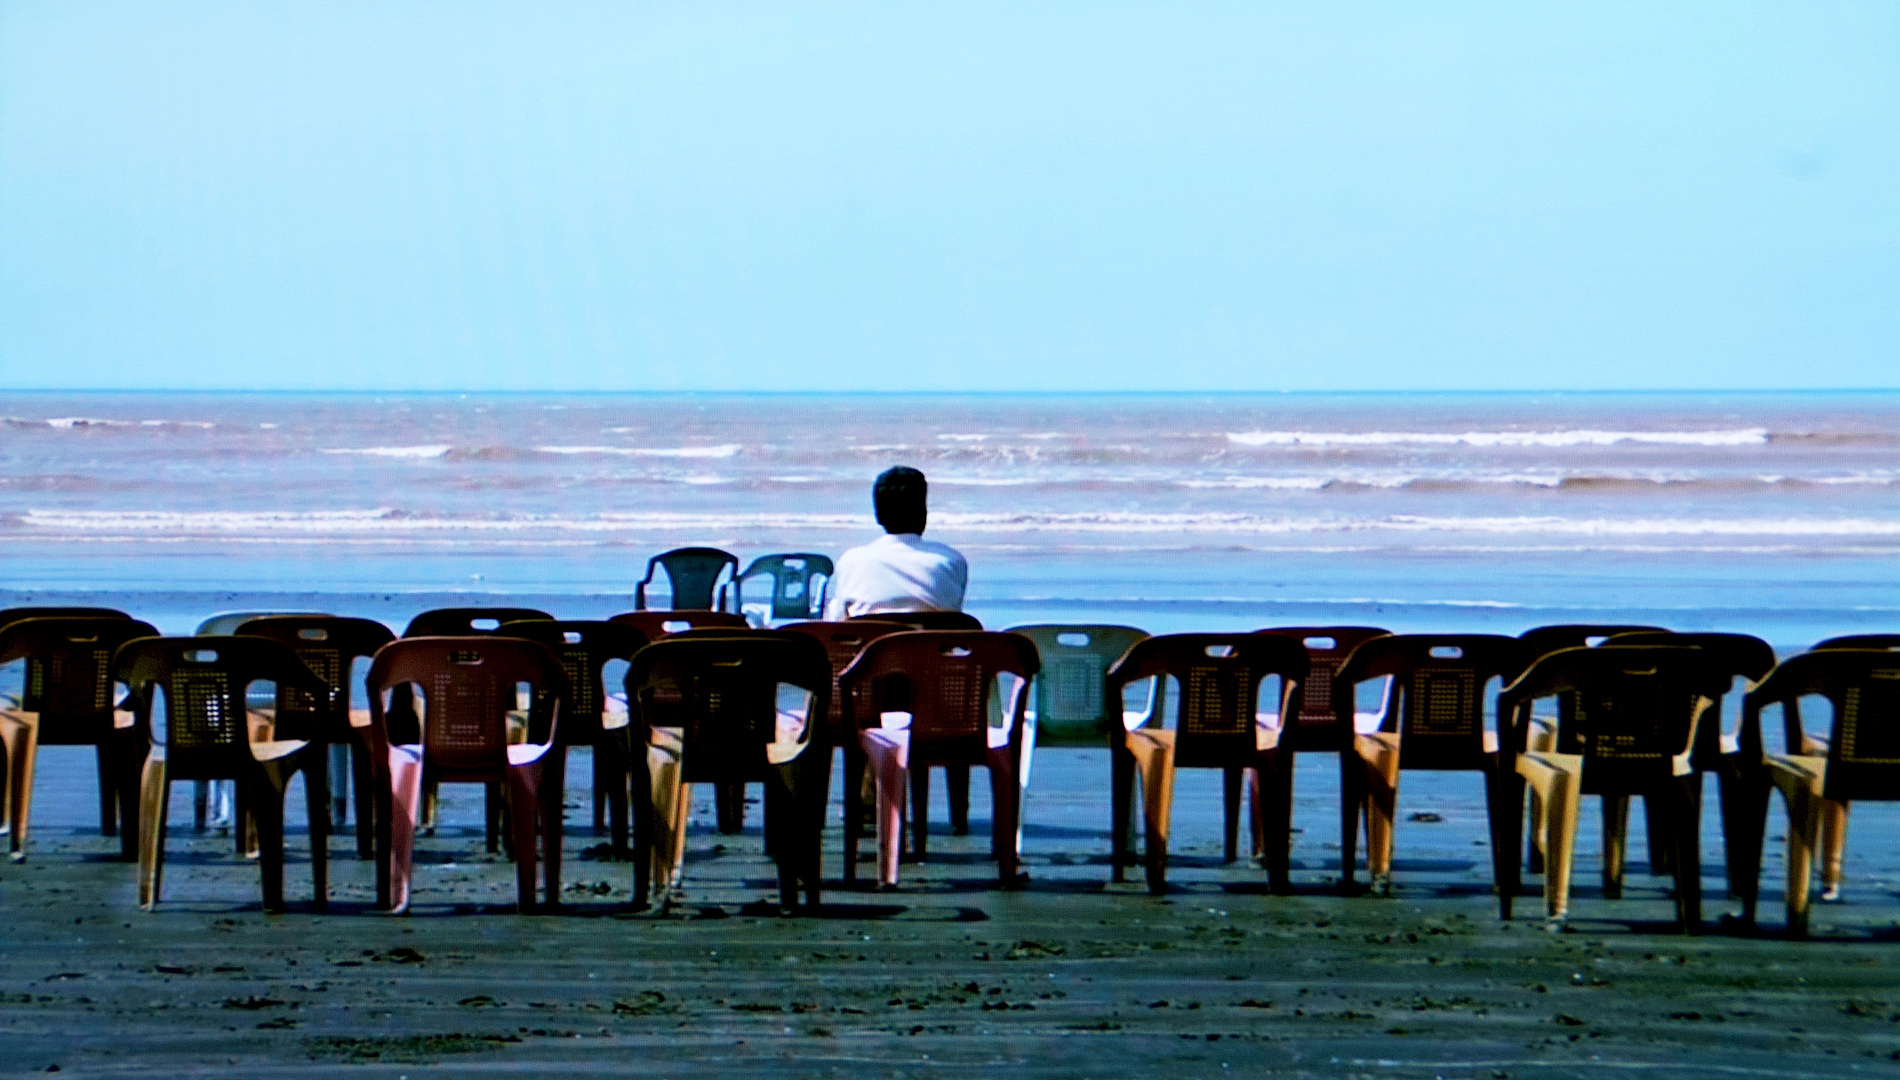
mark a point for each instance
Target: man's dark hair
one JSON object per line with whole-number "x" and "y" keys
{"x": 900, "y": 495}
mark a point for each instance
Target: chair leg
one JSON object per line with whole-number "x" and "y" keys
{"x": 1504, "y": 801}
{"x": 128, "y": 763}
{"x": 1660, "y": 832}
{"x": 552, "y": 782}
{"x": 1121, "y": 811}
{"x": 1616, "y": 826}
{"x": 1684, "y": 841}
{"x": 1275, "y": 818}
{"x": 22, "y": 751}
{"x": 268, "y": 790}
{"x": 521, "y": 799}
{"x": 1232, "y": 783}
{"x": 336, "y": 771}
{"x": 641, "y": 824}
{"x": 108, "y": 792}
{"x": 498, "y": 836}
{"x": 1745, "y": 793}
{"x": 852, "y": 783}
{"x": 1534, "y": 836}
{"x": 610, "y": 772}
{"x": 1833, "y": 848}
{"x": 956, "y": 786}
{"x": 1005, "y": 810}
{"x": 600, "y": 790}
{"x": 369, "y": 801}
{"x": 729, "y": 807}
{"x": 154, "y": 797}
{"x": 200, "y": 799}
{"x": 315, "y": 799}
{"x": 1154, "y": 757}
{"x": 1557, "y": 779}
{"x": 919, "y": 812}
{"x": 1352, "y": 798}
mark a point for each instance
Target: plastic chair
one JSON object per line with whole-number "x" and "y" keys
{"x": 210, "y": 734}
{"x": 1220, "y": 676}
{"x": 1861, "y": 759}
{"x": 658, "y": 624}
{"x": 795, "y": 594}
{"x": 67, "y": 701}
{"x": 585, "y": 648}
{"x": 220, "y": 624}
{"x": 467, "y": 621}
{"x": 108, "y": 793}
{"x": 1433, "y": 719}
{"x": 329, "y": 646}
{"x": 1638, "y": 711}
{"x": 925, "y": 620}
{"x": 843, "y": 641}
{"x": 1860, "y": 641}
{"x": 956, "y": 778}
{"x": 947, "y": 676}
{"x": 1316, "y": 728}
{"x": 469, "y": 685}
{"x": 708, "y": 712}
{"x": 694, "y": 573}
{"x": 1071, "y": 703}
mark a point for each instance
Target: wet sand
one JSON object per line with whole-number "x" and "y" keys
{"x": 1070, "y": 976}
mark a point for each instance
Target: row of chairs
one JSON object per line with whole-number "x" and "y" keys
{"x": 1636, "y": 713}
{"x": 709, "y": 579}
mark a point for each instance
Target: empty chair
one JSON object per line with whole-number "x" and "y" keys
{"x": 216, "y": 801}
{"x": 843, "y": 641}
{"x": 210, "y": 734}
{"x": 1315, "y": 729}
{"x": 329, "y": 645}
{"x": 467, "y": 621}
{"x": 698, "y": 577}
{"x": 658, "y": 624}
{"x": 108, "y": 793}
{"x": 1220, "y": 677}
{"x": 67, "y": 701}
{"x": 956, "y": 778}
{"x": 708, "y": 710}
{"x": 1861, "y": 759}
{"x": 1850, "y": 641}
{"x": 1635, "y": 717}
{"x": 798, "y": 586}
{"x": 1434, "y": 719}
{"x": 926, "y": 620}
{"x": 942, "y": 718}
{"x": 468, "y": 687}
{"x": 585, "y": 648}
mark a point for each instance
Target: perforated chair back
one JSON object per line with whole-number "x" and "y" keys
{"x": 925, "y": 620}
{"x": 722, "y": 692}
{"x": 658, "y": 624}
{"x": 799, "y": 581}
{"x": 1327, "y": 647}
{"x": 1861, "y": 641}
{"x": 1637, "y": 707}
{"x": 328, "y": 645}
{"x": 1073, "y": 705}
{"x": 1219, "y": 676}
{"x": 467, "y": 621}
{"x": 843, "y": 641}
{"x": 698, "y": 577}
{"x": 204, "y": 679}
{"x": 1438, "y": 690}
{"x": 69, "y": 679}
{"x": 1863, "y": 686}
{"x": 949, "y": 673}
{"x": 469, "y": 685}
{"x": 584, "y": 647}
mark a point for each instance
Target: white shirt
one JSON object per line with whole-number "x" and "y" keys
{"x": 897, "y": 572}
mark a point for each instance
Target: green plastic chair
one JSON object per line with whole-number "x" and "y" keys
{"x": 694, "y": 573}
{"x": 1072, "y": 706}
{"x": 793, "y": 594}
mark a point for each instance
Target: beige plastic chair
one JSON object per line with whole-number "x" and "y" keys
{"x": 1634, "y": 718}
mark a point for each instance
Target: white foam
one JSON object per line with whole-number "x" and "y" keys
{"x": 433, "y": 451}
{"x": 1730, "y": 437}
{"x": 960, "y": 437}
{"x": 725, "y": 450}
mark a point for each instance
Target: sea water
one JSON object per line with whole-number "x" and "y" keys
{"x": 1775, "y": 514}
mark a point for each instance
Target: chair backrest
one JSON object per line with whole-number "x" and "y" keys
{"x": 925, "y": 620}
{"x": 694, "y": 573}
{"x": 658, "y": 624}
{"x": 1851, "y": 641}
{"x": 949, "y": 674}
{"x": 467, "y": 621}
{"x": 1219, "y": 677}
{"x": 584, "y": 648}
{"x": 69, "y": 669}
{"x": 227, "y": 622}
{"x": 843, "y": 641}
{"x": 13, "y": 615}
{"x": 328, "y": 645}
{"x": 1327, "y": 647}
{"x": 1637, "y": 707}
{"x": 722, "y": 692}
{"x": 1726, "y": 656}
{"x": 1863, "y": 685}
{"x": 1438, "y": 688}
{"x": 795, "y": 592}
{"x": 204, "y": 678}
{"x": 1073, "y": 705}
{"x": 469, "y": 686}
{"x": 1539, "y": 640}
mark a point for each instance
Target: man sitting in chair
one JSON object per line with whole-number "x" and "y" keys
{"x": 899, "y": 571}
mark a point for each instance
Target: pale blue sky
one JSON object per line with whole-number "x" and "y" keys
{"x": 1011, "y": 195}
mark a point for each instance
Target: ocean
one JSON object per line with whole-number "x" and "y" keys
{"x": 1773, "y": 514}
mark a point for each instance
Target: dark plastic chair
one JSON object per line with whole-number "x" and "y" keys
{"x": 946, "y": 676}
{"x": 1860, "y": 641}
{"x": 1219, "y": 678}
{"x": 1316, "y": 728}
{"x": 926, "y": 620}
{"x": 1638, "y": 711}
{"x": 467, "y": 621}
{"x": 721, "y": 692}
{"x": 329, "y": 645}
{"x": 1540, "y": 640}
{"x": 1434, "y": 719}
{"x": 795, "y": 592}
{"x": 208, "y": 735}
{"x": 1861, "y": 761}
{"x": 658, "y": 624}
{"x": 108, "y": 794}
{"x": 468, "y": 687}
{"x": 221, "y": 624}
{"x": 68, "y": 701}
{"x": 956, "y": 778}
{"x": 694, "y": 574}
{"x": 585, "y": 648}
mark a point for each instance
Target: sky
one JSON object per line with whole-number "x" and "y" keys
{"x": 789, "y": 195}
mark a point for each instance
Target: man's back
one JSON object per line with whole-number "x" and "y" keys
{"x": 897, "y": 572}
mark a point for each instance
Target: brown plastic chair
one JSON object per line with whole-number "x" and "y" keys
{"x": 1219, "y": 676}
{"x": 585, "y": 647}
{"x": 468, "y": 686}
{"x": 693, "y": 573}
{"x": 720, "y": 694}
{"x": 956, "y": 778}
{"x": 210, "y": 734}
{"x": 329, "y": 645}
{"x": 925, "y": 620}
{"x": 1316, "y": 728}
{"x": 1860, "y": 641}
{"x": 946, "y": 680}
{"x": 68, "y": 701}
{"x": 1637, "y": 715}
{"x": 467, "y": 621}
{"x": 1861, "y": 760}
{"x": 1434, "y": 719}
{"x": 729, "y": 803}
{"x": 843, "y": 641}
{"x": 108, "y": 794}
